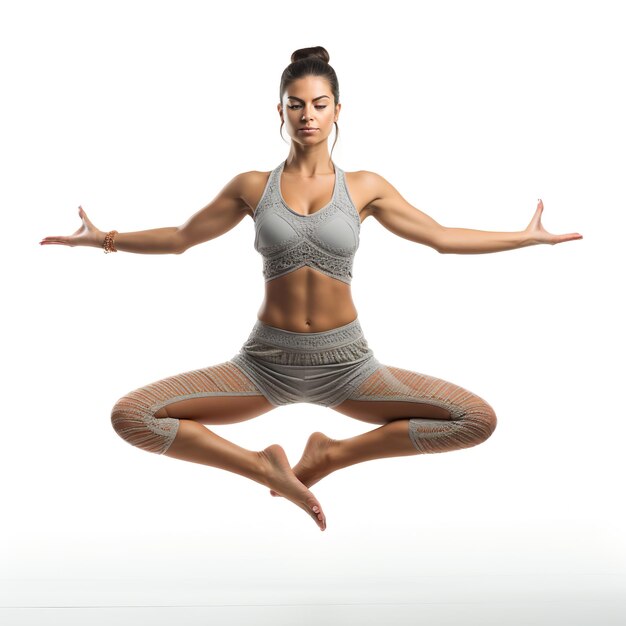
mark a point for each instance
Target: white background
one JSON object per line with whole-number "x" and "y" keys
{"x": 142, "y": 112}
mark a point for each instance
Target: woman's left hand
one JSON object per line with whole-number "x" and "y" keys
{"x": 539, "y": 234}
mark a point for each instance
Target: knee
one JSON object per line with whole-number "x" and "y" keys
{"x": 126, "y": 420}
{"x": 121, "y": 417}
{"x": 484, "y": 421}
{"x": 135, "y": 422}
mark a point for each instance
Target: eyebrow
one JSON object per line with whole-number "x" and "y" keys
{"x": 300, "y": 100}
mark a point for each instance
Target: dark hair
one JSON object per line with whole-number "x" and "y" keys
{"x": 310, "y": 62}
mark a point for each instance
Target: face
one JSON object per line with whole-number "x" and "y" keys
{"x": 309, "y": 102}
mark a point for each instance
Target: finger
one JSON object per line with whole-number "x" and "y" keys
{"x": 567, "y": 237}
{"x": 58, "y": 239}
{"x": 86, "y": 221}
{"x": 318, "y": 516}
{"x": 535, "y": 220}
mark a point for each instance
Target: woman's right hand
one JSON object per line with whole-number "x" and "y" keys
{"x": 86, "y": 235}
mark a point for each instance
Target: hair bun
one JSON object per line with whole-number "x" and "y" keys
{"x": 315, "y": 51}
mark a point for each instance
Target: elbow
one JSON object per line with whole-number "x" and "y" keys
{"x": 438, "y": 241}
{"x": 180, "y": 243}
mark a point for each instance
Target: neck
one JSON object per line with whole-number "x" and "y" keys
{"x": 309, "y": 160}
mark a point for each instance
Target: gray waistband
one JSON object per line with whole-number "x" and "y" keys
{"x": 288, "y": 339}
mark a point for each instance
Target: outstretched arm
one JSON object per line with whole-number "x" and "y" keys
{"x": 406, "y": 221}
{"x": 224, "y": 212}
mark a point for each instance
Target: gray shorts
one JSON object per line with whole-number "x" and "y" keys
{"x": 320, "y": 368}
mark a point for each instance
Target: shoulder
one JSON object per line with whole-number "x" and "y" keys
{"x": 249, "y": 187}
{"x": 369, "y": 183}
{"x": 360, "y": 175}
{"x": 365, "y": 188}
{"x": 244, "y": 180}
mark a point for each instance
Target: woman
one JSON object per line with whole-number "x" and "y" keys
{"x": 307, "y": 344}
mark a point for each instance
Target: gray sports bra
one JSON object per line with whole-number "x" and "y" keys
{"x": 326, "y": 240}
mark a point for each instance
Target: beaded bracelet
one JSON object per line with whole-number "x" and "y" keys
{"x": 108, "y": 244}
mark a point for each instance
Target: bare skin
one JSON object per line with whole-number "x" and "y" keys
{"x": 304, "y": 300}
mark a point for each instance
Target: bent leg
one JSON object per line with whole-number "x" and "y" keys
{"x": 166, "y": 417}
{"x": 420, "y": 414}
{"x": 148, "y": 417}
{"x": 441, "y": 416}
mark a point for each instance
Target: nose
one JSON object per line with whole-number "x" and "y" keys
{"x": 305, "y": 114}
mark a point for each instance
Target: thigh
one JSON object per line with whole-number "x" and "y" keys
{"x": 217, "y": 409}
{"x": 217, "y": 394}
{"x": 391, "y": 393}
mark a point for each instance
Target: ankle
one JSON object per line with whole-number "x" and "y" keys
{"x": 266, "y": 468}
{"x": 333, "y": 455}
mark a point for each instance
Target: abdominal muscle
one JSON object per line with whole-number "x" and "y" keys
{"x": 306, "y": 300}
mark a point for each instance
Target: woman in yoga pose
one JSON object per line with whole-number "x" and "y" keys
{"x": 306, "y": 344}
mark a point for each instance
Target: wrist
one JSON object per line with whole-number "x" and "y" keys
{"x": 97, "y": 241}
{"x": 529, "y": 238}
{"x": 109, "y": 242}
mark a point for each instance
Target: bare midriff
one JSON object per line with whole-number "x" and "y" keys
{"x": 307, "y": 301}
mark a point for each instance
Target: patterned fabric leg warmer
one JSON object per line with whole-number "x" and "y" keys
{"x": 133, "y": 416}
{"x": 471, "y": 421}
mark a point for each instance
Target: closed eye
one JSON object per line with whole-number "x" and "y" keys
{"x": 297, "y": 106}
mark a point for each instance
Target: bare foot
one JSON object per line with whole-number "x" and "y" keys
{"x": 314, "y": 465}
{"x": 283, "y": 481}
